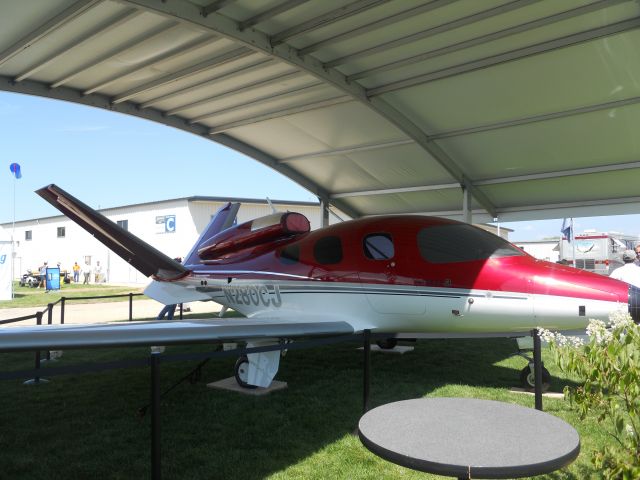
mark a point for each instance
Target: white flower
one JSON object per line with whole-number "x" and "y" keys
{"x": 546, "y": 335}
{"x": 598, "y": 330}
{"x": 629, "y": 430}
{"x": 558, "y": 339}
{"x": 620, "y": 319}
{"x": 576, "y": 342}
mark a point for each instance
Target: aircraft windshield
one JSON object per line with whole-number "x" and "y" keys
{"x": 461, "y": 243}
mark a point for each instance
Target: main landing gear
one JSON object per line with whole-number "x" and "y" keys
{"x": 258, "y": 369}
{"x": 241, "y": 370}
{"x": 387, "y": 343}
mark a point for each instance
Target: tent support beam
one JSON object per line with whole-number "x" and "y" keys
{"x": 466, "y": 204}
{"x": 260, "y": 42}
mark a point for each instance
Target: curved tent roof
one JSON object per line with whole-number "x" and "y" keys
{"x": 516, "y": 109}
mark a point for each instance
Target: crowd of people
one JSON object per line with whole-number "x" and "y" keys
{"x": 630, "y": 271}
{"x": 67, "y": 277}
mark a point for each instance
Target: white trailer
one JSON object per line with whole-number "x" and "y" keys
{"x": 599, "y": 252}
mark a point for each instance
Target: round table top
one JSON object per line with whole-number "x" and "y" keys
{"x": 469, "y": 438}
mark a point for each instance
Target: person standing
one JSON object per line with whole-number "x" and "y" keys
{"x": 76, "y": 272}
{"x": 637, "y": 250}
{"x": 43, "y": 276}
{"x": 87, "y": 273}
{"x": 629, "y": 272}
{"x": 169, "y": 310}
{"x": 97, "y": 273}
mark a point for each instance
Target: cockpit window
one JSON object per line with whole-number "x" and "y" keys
{"x": 378, "y": 246}
{"x": 328, "y": 250}
{"x": 461, "y": 243}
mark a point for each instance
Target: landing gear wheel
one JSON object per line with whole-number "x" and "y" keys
{"x": 242, "y": 372}
{"x": 387, "y": 343}
{"x": 528, "y": 379}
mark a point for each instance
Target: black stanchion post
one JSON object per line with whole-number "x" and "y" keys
{"x": 367, "y": 370}
{"x": 155, "y": 417}
{"x": 180, "y": 311}
{"x": 37, "y": 380}
{"x": 38, "y": 322}
{"x": 537, "y": 368}
{"x": 62, "y": 300}
{"x": 49, "y": 322}
{"x": 130, "y": 306}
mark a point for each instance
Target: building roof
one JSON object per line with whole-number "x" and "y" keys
{"x": 519, "y": 109}
{"x": 197, "y": 198}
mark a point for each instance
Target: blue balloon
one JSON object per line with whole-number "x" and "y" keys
{"x": 15, "y": 169}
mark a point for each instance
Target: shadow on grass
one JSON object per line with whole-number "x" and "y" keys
{"x": 19, "y": 295}
{"x": 86, "y": 425}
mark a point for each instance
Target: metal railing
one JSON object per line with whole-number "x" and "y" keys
{"x": 62, "y": 301}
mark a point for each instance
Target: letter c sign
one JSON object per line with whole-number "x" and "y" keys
{"x": 170, "y": 223}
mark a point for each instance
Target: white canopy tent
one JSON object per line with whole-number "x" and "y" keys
{"x": 508, "y": 109}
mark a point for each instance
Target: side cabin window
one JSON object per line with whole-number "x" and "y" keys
{"x": 328, "y": 250}
{"x": 378, "y": 246}
{"x": 290, "y": 254}
{"x": 451, "y": 243}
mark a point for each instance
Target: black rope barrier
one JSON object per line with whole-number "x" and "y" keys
{"x": 63, "y": 300}
{"x": 105, "y": 296}
{"x": 18, "y": 319}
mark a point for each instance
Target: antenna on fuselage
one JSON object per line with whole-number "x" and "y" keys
{"x": 273, "y": 209}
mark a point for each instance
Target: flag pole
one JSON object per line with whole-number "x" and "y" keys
{"x": 15, "y": 169}
{"x": 13, "y": 232}
{"x": 572, "y": 235}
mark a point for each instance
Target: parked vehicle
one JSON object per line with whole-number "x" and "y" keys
{"x": 598, "y": 252}
{"x": 30, "y": 279}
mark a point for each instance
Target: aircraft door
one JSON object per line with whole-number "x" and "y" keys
{"x": 381, "y": 280}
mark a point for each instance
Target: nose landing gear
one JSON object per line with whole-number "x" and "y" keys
{"x": 528, "y": 378}
{"x": 527, "y": 374}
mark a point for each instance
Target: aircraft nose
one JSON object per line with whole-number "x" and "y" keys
{"x": 634, "y": 303}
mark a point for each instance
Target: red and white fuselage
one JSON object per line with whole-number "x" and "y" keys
{"x": 395, "y": 274}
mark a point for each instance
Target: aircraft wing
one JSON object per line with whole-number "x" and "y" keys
{"x": 162, "y": 332}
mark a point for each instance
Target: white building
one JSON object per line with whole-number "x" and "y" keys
{"x": 171, "y": 226}
{"x": 541, "y": 249}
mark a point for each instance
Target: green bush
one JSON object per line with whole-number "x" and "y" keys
{"x": 609, "y": 366}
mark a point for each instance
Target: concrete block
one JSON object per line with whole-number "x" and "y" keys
{"x": 230, "y": 384}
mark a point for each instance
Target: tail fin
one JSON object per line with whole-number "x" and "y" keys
{"x": 224, "y": 218}
{"x": 139, "y": 254}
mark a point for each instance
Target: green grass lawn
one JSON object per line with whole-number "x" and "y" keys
{"x": 85, "y": 426}
{"x": 36, "y": 297}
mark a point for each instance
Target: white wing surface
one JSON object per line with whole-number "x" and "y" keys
{"x": 162, "y": 332}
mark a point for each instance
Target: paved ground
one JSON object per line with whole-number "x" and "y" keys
{"x": 100, "y": 312}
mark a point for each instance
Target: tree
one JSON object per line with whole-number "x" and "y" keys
{"x": 609, "y": 366}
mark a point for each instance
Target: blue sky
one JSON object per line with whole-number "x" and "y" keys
{"x": 108, "y": 159}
